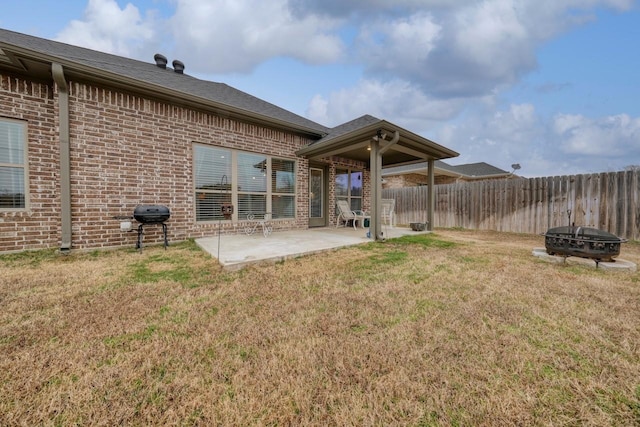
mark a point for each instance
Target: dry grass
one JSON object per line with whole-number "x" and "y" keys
{"x": 412, "y": 332}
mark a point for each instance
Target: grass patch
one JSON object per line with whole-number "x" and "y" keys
{"x": 31, "y": 258}
{"x": 169, "y": 266}
{"x": 457, "y": 328}
{"x": 118, "y": 341}
{"x": 425, "y": 240}
{"x": 389, "y": 257}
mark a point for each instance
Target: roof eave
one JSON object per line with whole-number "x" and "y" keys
{"x": 369, "y": 131}
{"x": 97, "y": 75}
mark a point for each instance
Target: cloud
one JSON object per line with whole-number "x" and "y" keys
{"x": 610, "y": 137}
{"x": 367, "y": 8}
{"x": 466, "y": 49}
{"x": 448, "y": 48}
{"x": 395, "y": 100}
{"x": 108, "y": 28}
{"x": 437, "y": 67}
{"x": 236, "y": 35}
{"x": 510, "y": 135}
{"x": 562, "y": 145}
{"x": 401, "y": 46}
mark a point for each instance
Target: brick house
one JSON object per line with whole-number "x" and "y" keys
{"x": 417, "y": 174}
{"x": 86, "y": 136}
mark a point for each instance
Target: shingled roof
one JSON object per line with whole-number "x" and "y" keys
{"x": 479, "y": 169}
{"x": 34, "y": 56}
{"x": 469, "y": 170}
{"x": 17, "y": 46}
{"x": 351, "y": 126}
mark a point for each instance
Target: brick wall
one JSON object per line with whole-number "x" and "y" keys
{"x": 39, "y": 225}
{"x": 406, "y": 180}
{"x": 125, "y": 150}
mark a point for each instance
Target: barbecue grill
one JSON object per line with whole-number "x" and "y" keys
{"x": 151, "y": 215}
{"x": 582, "y": 242}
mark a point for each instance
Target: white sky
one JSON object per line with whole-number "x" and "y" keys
{"x": 549, "y": 84}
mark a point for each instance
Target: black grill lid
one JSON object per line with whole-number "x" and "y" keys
{"x": 151, "y": 214}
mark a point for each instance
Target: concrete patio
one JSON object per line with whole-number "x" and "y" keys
{"x": 236, "y": 251}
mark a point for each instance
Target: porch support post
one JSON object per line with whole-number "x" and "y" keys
{"x": 431, "y": 195}
{"x": 375, "y": 159}
{"x": 375, "y": 162}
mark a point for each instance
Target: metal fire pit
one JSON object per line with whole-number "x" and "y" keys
{"x": 582, "y": 242}
{"x": 150, "y": 215}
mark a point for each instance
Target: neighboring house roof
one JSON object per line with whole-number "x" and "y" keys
{"x": 21, "y": 49}
{"x": 480, "y": 170}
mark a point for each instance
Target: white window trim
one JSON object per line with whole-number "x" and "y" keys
{"x": 24, "y": 166}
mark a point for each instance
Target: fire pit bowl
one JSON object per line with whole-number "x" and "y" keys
{"x": 582, "y": 242}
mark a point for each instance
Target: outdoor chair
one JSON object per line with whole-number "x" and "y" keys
{"x": 345, "y": 214}
{"x": 388, "y": 211}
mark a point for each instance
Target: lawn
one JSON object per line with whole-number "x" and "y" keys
{"x": 454, "y": 328}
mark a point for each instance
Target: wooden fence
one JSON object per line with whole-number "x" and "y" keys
{"x": 608, "y": 201}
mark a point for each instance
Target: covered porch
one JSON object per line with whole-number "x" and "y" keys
{"x": 236, "y": 251}
{"x": 377, "y": 143}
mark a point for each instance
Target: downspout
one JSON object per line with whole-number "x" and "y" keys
{"x": 65, "y": 163}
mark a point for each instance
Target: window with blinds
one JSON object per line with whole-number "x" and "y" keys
{"x": 13, "y": 165}
{"x": 283, "y": 187}
{"x": 254, "y": 184}
{"x": 212, "y": 181}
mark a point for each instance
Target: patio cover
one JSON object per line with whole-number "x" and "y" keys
{"x": 379, "y": 143}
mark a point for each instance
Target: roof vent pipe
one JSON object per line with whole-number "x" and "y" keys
{"x": 161, "y": 60}
{"x": 178, "y": 66}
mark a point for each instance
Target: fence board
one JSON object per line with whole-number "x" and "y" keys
{"x": 609, "y": 201}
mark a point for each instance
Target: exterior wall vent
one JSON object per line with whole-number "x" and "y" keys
{"x": 178, "y": 66}
{"x": 161, "y": 61}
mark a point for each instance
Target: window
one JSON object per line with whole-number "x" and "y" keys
{"x": 253, "y": 183}
{"x": 13, "y": 165}
{"x": 349, "y": 187}
{"x": 283, "y": 180}
{"x": 213, "y": 181}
